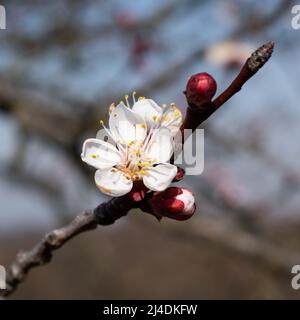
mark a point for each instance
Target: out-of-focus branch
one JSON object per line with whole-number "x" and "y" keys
{"x": 196, "y": 114}
{"x": 57, "y": 120}
{"x": 233, "y": 240}
{"x": 105, "y": 214}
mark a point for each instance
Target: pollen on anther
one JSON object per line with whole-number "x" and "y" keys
{"x": 154, "y": 118}
{"x": 177, "y": 113}
{"x": 167, "y": 117}
{"x": 143, "y": 126}
{"x": 111, "y": 107}
{"x": 127, "y": 102}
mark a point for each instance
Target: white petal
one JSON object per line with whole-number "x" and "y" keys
{"x": 149, "y": 110}
{"x": 113, "y": 182}
{"x": 161, "y": 146}
{"x": 126, "y": 125}
{"x": 172, "y": 119}
{"x": 159, "y": 178}
{"x": 188, "y": 199}
{"x": 100, "y": 154}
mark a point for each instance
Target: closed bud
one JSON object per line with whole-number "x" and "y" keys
{"x": 200, "y": 88}
{"x": 175, "y": 203}
{"x": 138, "y": 191}
{"x": 180, "y": 174}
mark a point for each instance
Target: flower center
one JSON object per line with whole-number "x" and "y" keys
{"x": 136, "y": 162}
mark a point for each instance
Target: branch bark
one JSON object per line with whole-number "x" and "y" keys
{"x": 105, "y": 214}
{"x": 196, "y": 114}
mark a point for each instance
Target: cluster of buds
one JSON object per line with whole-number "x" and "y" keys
{"x": 139, "y": 162}
{"x": 177, "y": 202}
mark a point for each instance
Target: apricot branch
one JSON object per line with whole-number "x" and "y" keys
{"x": 107, "y": 213}
{"x": 200, "y": 110}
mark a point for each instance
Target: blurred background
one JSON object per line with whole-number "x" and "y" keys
{"x": 62, "y": 63}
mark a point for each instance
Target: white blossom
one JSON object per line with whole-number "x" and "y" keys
{"x": 143, "y": 145}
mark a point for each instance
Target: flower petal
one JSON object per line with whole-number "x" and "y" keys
{"x": 126, "y": 125}
{"x": 149, "y": 110}
{"x": 159, "y": 178}
{"x": 172, "y": 119}
{"x": 113, "y": 182}
{"x": 100, "y": 154}
{"x": 161, "y": 145}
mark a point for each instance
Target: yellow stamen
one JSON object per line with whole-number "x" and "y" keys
{"x": 154, "y": 117}
{"x": 143, "y": 126}
{"x": 126, "y": 98}
{"x": 133, "y": 96}
{"x": 167, "y": 117}
{"x": 141, "y": 98}
{"x": 111, "y": 107}
{"x": 177, "y": 113}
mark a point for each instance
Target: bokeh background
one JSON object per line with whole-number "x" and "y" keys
{"x": 62, "y": 63}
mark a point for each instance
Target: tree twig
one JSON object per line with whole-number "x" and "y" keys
{"x": 105, "y": 214}
{"x": 196, "y": 114}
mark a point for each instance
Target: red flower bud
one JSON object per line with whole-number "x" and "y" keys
{"x": 175, "y": 203}
{"x": 179, "y": 175}
{"x": 138, "y": 191}
{"x": 200, "y": 88}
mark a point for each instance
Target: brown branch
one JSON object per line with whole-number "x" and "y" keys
{"x": 196, "y": 114}
{"x": 108, "y": 212}
{"x": 105, "y": 214}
